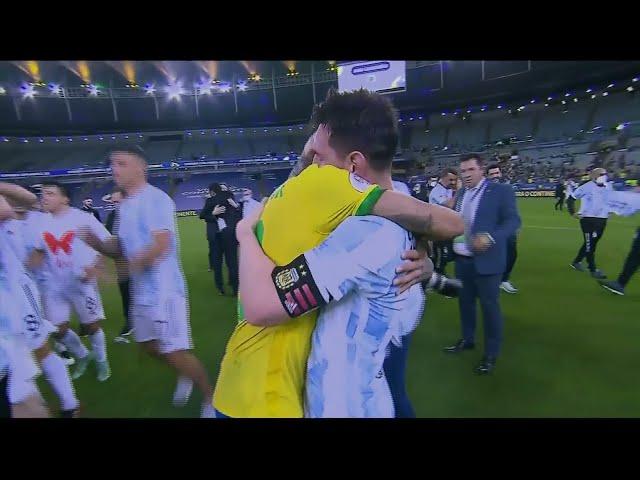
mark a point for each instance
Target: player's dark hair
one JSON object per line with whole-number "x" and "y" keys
{"x": 131, "y": 149}
{"x": 62, "y": 188}
{"x": 473, "y": 156}
{"x": 492, "y": 166}
{"x": 448, "y": 171}
{"x": 215, "y": 188}
{"x": 360, "y": 121}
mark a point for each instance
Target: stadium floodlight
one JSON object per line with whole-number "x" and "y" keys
{"x": 28, "y": 90}
{"x": 611, "y": 85}
{"x": 630, "y": 88}
{"x": 174, "y": 91}
{"x": 93, "y": 90}
{"x": 242, "y": 86}
{"x": 54, "y": 88}
{"x": 149, "y": 89}
{"x": 204, "y": 87}
{"x": 224, "y": 87}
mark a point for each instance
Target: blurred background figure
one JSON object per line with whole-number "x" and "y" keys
{"x": 87, "y": 206}
{"x": 222, "y": 209}
{"x": 248, "y": 203}
{"x": 113, "y": 224}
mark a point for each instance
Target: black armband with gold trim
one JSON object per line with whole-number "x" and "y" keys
{"x": 297, "y": 290}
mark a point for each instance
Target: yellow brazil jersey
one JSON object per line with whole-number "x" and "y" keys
{"x": 263, "y": 370}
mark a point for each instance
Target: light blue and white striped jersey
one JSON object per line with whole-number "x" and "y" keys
{"x": 142, "y": 213}
{"x": 355, "y": 267}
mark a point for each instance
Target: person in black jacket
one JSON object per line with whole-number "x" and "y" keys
{"x": 87, "y": 206}
{"x": 559, "y": 195}
{"x": 222, "y": 213}
{"x": 112, "y": 224}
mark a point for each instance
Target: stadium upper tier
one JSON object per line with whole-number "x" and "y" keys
{"x": 581, "y": 122}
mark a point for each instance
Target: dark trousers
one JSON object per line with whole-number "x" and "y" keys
{"x": 395, "y": 370}
{"x": 592, "y": 231}
{"x": 632, "y": 262}
{"x": 486, "y": 288}
{"x": 226, "y": 246}
{"x": 125, "y": 294}
{"x": 559, "y": 203}
{"x": 212, "y": 249}
{"x": 5, "y": 406}
{"x": 512, "y": 255}
{"x": 441, "y": 255}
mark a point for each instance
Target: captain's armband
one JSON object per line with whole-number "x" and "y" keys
{"x": 297, "y": 290}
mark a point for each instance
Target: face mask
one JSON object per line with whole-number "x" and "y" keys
{"x": 601, "y": 180}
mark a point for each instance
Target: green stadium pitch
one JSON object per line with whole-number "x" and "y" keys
{"x": 569, "y": 347}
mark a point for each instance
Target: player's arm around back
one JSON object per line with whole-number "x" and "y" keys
{"x": 433, "y": 221}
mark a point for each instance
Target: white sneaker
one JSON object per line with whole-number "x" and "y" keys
{"x": 508, "y": 287}
{"x": 182, "y": 392}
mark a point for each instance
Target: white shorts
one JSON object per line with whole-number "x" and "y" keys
{"x": 167, "y": 322}
{"x": 83, "y": 297}
{"x": 35, "y": 328}
{"x": 22, "y": 370}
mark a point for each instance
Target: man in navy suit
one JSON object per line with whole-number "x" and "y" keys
{"x": 490, "y": 218}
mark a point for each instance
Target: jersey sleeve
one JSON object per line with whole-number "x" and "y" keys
{"x": 161, "y": 213}
{"x": 361, "y": 254}
{"x": 98, "y": 229}
{"x": 338, "y": 194}
{"x": 579, "y": 192}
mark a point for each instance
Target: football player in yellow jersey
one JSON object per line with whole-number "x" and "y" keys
{"x": 263, "y": 370}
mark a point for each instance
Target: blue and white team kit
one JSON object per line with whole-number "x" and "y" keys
{"x": 160, "y": 309}
{"x": 354, "y": 268}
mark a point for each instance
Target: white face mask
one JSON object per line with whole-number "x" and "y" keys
{"x": 602, "y": 179}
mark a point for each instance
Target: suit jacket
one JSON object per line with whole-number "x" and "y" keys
{"x": 206, "y": 214}
{"x": 498, "y": 216}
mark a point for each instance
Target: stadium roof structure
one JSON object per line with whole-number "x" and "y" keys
{"x": 89, "y": 97}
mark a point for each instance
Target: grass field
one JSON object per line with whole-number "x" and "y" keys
{"x": 569, "y": 348}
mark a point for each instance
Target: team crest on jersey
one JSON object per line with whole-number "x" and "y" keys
{"x": 287, "y": 278}
{"x": 32, "y": 323}
{"x": 359, "y": 183}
